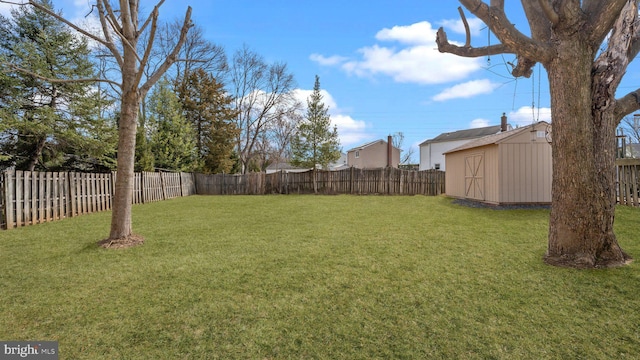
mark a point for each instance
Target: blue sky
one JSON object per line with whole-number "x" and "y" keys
{"x": 377, "y": 61}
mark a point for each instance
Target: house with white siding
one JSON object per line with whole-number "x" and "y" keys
{"x": 432, "y": 150}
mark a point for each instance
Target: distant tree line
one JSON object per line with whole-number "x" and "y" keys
{"x": 207, "y": 114}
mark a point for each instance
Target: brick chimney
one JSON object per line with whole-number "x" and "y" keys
{"x": 503, "y": 123}
{"x": 389, "y": 150}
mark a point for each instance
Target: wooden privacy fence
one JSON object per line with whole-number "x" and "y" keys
{"x": 31, "y": 197}
{"x": 628, "y": 172}
{"x": 389, "y": 181}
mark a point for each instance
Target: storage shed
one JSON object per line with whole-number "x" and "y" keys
{"x": 511, "y": 167}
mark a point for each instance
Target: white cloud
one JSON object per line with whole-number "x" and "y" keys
{"x": 467, "y": 90}
{"x": 350, "y": 131}
{"x": 417, "y": 60}
{"x": 526, "y": 116}
{"x": 419, "y": 33}
{"x": 328, "y": 61}
{"x": 418, "y": 64}
{"x": 479, "y": 123}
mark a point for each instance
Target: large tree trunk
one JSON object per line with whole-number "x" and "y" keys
{"x": 121, "y": 214}
{"x": 583, "y": 201}
{"x": 121, "y": 231}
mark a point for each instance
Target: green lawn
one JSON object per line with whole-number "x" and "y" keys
{"x": 316, "y": 277}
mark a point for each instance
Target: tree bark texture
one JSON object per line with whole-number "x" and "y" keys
{"x": 583, "y": 190}
{"x": 121, "y": 213}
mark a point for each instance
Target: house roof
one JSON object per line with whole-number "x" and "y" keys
{"x": 464, "y": 134}
{"x": 368, "y": 144}
{"x": 495, "y": 138}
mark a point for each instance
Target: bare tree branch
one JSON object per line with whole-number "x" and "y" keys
{"x": 58, "y": 81}
{"x": 146, "y": 23}
{"x": 111, "y": 16}
{"x": 171, "y": 58}
{"x": 109, "y": 43}
{"x": 126, "y": 18}
{"x": 467, "y": 43}
{"x": 445, "y": 47}
{"x": 611, "y": 65}
{"x": 529, "y": 51}
{"x": 60, "y": 18}
{"x": 549, "y": 12}
{"x": 506, "y": 32}
{"x": 13, "y": 3}
{"x": 538, "y": 21}
{"x": 602, "y": 14}
{"x": 627, "y": 104}
{"x": 150, "y": 41}
{"x": 113, "y": 21}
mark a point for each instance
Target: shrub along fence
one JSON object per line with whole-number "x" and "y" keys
{"x": 32, "y": 197}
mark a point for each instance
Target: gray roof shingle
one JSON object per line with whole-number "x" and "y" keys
{"x": 465, "y": 134}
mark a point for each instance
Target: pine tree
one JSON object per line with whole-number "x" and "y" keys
{"x": 173, "y": 138}
{"x": 316, "y": 144}
{"x": 47, "y": 125}
{"x": 209, "y": 109}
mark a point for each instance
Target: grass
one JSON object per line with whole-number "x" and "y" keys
{"x": 316, "y": 277}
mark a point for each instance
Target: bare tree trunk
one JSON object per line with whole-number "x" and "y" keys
{"x": 35, "y": 155}
{"x": 581, "y": 223}
{"x": 315, "y": 180}
{"x": 121, "y": 214}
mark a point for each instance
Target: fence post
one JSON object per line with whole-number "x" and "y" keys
{"x": 162, "y": 186}
{"x": 3, "y": 200}
{"x": 9, "y": 178}
{"x": 9, "y": 190}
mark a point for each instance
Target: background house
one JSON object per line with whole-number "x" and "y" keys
{"x": 375, "y": 154}
{"x": 432, "y": 151}
{"x": 512, "y": 167}
{"x": 339, "y": 164}
{"x": 284, "y": 167}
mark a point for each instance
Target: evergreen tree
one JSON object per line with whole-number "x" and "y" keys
{"x": 316, "y": 144}
{"x": 49, "y": 125}
{"x": 144, "y": 156}
{"x": 173, "y": 141}
{"x": 208, "y": 108}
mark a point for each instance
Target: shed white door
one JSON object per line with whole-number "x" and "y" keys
{"x": 474, "y": 176}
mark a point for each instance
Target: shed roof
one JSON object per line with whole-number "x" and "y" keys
{"x": 464, "y": 134}
{"x": 495, "y": 138}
